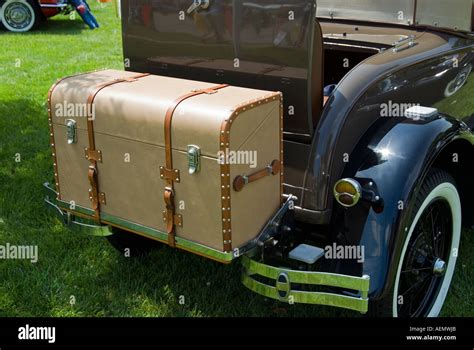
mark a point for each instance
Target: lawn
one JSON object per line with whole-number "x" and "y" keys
{"x": 82, "y": 275}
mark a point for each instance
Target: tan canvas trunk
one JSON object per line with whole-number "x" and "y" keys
{"x": 189, "y": 163}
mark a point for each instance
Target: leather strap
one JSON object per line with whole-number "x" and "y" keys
{"x": 168, "y": 173}
{"x": 93, "y": 191}
{"x": 272, "y": 169}
{"x": 91, "y": 153}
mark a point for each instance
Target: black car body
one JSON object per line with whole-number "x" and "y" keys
{"x": 379, "y": 111}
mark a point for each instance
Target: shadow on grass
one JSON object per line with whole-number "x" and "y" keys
{"x": 61, "y": 26}
{"x": 25, "y": 158}
{"x": 170, "y": 282}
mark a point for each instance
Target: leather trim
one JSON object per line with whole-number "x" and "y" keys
{"x": 240, "y": 181}
{"x": 51, "y": 131}
{"x": 225, "y": 168}
{"x": 92, "y": 154}
{"x": 282, "y": 141}
{"x": 169, "y": 174}
{"x": 93, "y": 191}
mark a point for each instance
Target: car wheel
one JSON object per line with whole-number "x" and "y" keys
{"x": 130, "y": 244}
{"x": 20, "y": 15}
{"x": 428, "y": 258}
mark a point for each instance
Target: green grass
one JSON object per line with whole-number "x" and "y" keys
{"x": 87, "y": 269}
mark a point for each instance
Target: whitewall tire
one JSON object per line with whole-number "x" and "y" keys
{"x": 427, "y": 262}
{"x": 19, "y": 15}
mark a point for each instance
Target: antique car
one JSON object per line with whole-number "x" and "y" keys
{"x": 358, "y": 202}
{"x": 24, "y": 15}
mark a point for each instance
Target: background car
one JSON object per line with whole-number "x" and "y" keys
{"x": 24, "y": 15}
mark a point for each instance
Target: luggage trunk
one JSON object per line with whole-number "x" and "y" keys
{"x": 194, "y": 164}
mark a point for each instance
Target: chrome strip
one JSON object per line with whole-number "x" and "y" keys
{"x": 53, "y": 5}
{"x": 76, "y": 224}
{"x": 65, "y": 213}
{"x": 360, "y": 284}
{"x": 163, "y": 237}
{"x": 361, "y": 47}
{"x": 301, "y": 297}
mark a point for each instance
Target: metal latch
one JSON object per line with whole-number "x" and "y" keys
{"x": 198, "y": 4}
{"x": 71, "y": 131}
{"x": 404, "y": 43}
{"x": 194, "y": 159}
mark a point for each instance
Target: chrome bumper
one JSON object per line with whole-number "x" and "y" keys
{"x": 284, "y": 278}
{"x": 70, "y": 220}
